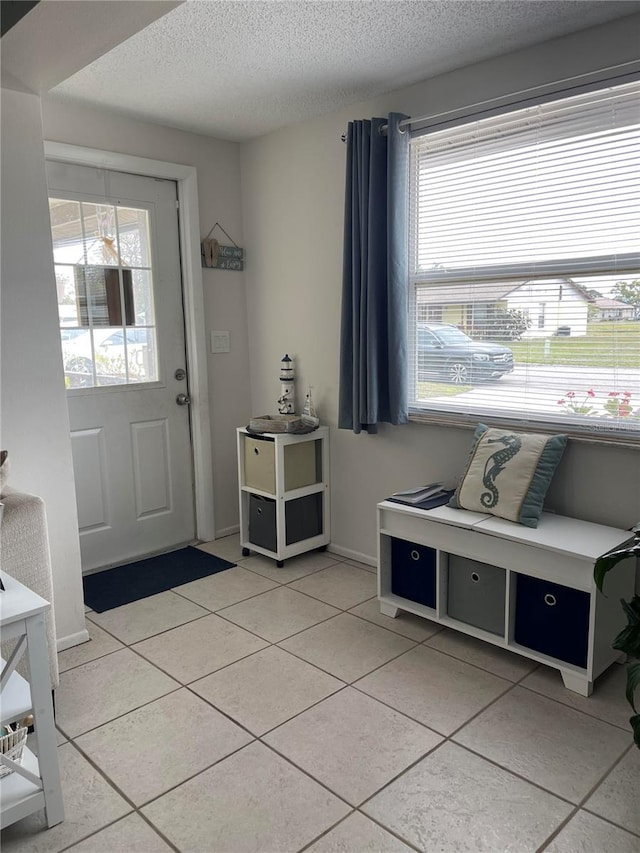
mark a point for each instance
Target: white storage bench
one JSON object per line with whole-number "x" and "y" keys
{"x": 524, "y": 589}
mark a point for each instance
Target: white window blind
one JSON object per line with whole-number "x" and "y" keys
{"x": 525, "y": 267}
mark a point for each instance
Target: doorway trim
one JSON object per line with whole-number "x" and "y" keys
{"x": 193, "y": 295}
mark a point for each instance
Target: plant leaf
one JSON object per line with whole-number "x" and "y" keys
{"x": 604, "y": 564}
{"x": 628, "y": 640}
{"x": 635, "y": 725}
{"x": 633, "y": 680}
{"x": 632, "y": 609}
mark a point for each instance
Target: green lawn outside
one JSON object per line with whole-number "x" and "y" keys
{"x": 593, "y": 349}
{"x": 425, "y": 390}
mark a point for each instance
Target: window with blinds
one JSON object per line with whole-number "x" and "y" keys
{"x": 524, "y": 263}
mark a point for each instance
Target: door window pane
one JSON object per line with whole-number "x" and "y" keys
{"x": 141, "y": 354}
{"x": 104, "y": 287}
{"x": 133, "y": 233}
{"x": 100, "y": 234}
{"x": 66, "y": 230}
{"x": 101, "y": 293}
{"x": 142, "y": 297}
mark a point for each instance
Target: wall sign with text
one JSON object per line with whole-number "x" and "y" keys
{"x": 217, "y": 256}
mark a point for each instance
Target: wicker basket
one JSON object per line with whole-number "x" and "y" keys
{"x": 12, "y": 745}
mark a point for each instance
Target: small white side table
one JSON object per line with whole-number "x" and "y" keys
{"x": 284, "y": 493}
{"x": 34, "y": 784}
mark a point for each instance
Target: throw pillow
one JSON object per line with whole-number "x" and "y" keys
{"x": 508, "y": 473}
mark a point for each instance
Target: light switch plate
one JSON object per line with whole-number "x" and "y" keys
{"x": 219, "y": 341}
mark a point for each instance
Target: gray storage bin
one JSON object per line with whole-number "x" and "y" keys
{"x": 476, "y": 594}
{"x": 303, "y": 518}
{"x": 262, "y": 522}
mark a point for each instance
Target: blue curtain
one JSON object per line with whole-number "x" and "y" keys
{"x": 373, "y": 339}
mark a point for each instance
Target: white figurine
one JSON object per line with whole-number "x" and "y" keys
{"x": 309, "y": 416}
{"x": 286, "y": 400}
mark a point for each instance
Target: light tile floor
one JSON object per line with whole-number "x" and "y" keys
{"x": 267, "y": 710}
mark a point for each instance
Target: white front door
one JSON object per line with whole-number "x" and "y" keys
{"x": 117, "y": 262}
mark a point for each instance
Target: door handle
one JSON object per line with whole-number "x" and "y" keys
{"x": 183, "y": 399}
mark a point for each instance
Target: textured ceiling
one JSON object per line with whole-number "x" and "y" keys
{"x": 56, "y": 38}
{"x": 237, "y": 69}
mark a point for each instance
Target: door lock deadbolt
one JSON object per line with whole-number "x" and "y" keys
{"x": 180, "y": 374}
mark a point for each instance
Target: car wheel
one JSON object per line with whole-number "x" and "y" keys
{"x": 80, "y": 370}
{"x": 459, "y": 372}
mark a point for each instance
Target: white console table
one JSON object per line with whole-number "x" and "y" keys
{"x": 524, "y": 589}
{"x": 34, "y": 784}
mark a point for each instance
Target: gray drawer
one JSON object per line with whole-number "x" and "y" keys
{"x": 476, "y": 593}
{"x": 262, "y": 522}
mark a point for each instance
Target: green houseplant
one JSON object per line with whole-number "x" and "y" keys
{"x": 628, "y": 640}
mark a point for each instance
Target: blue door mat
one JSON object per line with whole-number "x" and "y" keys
{"x": 133, "y": 581}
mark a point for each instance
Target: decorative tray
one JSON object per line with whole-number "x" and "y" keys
{"x": 275, "y": 423}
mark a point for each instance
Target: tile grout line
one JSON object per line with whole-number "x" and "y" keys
{"x": 121, "y": 716}
{"x": 186, "y": 686}
{"x": 575, "y": 808}
{"x": 573, "y": 708}
{"x": 511, "y": 686}
{"x": 351, "y": 683}
{"x": 581, "y": 805}
{"x": 271, "y": 644}
{"x": 356, "y": 810}
{"x": 120, "y": 793}
{"x": 269, "y": 746}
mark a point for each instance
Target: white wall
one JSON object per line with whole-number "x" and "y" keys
{"x": 293, "y": 193}
{"x": 34, "y": 421}
{"x": 218, "y": 166}
{"x": 288, "y": 300}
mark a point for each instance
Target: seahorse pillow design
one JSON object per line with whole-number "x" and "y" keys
{"x": 508, "y": 473}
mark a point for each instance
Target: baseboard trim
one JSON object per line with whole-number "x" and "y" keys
{"x": 352, "y": 555}
{"x": 227, "y": 531}
{"x": 71, "y": 640}
{"x": 332, "y": 548}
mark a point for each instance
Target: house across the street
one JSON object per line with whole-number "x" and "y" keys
{"x": 552, "y": 306}
{"x": 612, "y": 309}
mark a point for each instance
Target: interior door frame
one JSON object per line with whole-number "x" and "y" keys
{"x": 193, "y": 299}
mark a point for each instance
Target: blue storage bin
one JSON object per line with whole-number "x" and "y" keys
{"x": 552, "y": 619}
{"x": 413, "y": 572}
